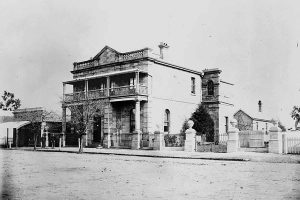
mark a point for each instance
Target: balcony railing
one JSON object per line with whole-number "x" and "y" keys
{"x": 95, "y": 94}
{"x": 76, "y": 96}
{"x": 122, "y": 91}
{"x": 102, "y": 93}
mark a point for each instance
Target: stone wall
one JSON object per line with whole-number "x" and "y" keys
{"x": 171, "y": 89}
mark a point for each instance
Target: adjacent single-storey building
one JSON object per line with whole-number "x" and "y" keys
{"x": 257, "y": 120}
{"x": 19, "y": 127}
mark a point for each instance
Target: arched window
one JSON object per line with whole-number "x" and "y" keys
{"x": 167, "y": 121}
{"x": 210, "y": 87}
{"x": 132, "y": 120}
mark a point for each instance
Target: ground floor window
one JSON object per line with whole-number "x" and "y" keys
{"x": 167, "y": 121}
{"x": 132, "y": 120}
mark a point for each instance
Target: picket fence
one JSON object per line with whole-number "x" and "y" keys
{"x": 291, "y": 142}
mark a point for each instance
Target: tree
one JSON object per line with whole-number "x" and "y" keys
{"x": 9, "y": 102}
{"x": 203, "y": 123}
{"x": 82, "y": 117}
{"x": 281, "y": 126}
{"x": 184, "y": 127}
{"x": 295, "y": 114}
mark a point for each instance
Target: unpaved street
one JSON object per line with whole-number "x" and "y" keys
{"x": 50, "y": 175}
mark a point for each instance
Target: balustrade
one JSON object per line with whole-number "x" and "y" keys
{"x": 95, "y": 94}
{"x": 101, "y": 93}
{"x": 122, "y": 91}
{"x": 132, "y": 55}
{"x": 76, "y": 96}
{"x": 121, "y": 57}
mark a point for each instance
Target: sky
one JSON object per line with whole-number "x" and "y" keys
{"x": 256, "y": 44}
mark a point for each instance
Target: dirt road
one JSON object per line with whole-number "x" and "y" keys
{"x": 51, "y": 175}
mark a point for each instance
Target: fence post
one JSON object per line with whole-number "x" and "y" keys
{"x": 284, "y": 143}
{"x": 233, "y": 137}
{"x": 9, "y": 143}
{"x": 158, "y": 140}
{"x": 59, "y": 146}
{"x": 275, "y": 142}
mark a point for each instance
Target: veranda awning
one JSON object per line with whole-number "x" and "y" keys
{"x": 9, "y": 126}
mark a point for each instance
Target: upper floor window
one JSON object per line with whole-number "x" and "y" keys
{"x": 226, "y": 124}
{"x": 132, "y": 82}
{"x": 102, "y": 86}
{"x": 210, "y": 87}
{"x": 112, "y": 85}
{"x": 167, "y": 121}
{"x": 193, "y": 86}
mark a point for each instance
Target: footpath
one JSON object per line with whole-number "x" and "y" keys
{"x": 236, "y": 156}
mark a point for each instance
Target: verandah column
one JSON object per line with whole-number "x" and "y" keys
{"x": 86, "y": 88}
{"x": 17, "y": 137}
{"x": 108, "y": 112}
{"x": 64, "y": 91}
{"x": 137, "y": 84}
{"x": 138, "y": 115}
{"x": 64, "y": 125}
{"x": 136, "y": 134}
{"x": 86, "y": 98}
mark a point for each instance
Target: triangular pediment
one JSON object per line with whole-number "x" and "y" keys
{"x": 107, "y": 55}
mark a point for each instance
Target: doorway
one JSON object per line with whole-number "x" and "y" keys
{"x": 97, "y": 130}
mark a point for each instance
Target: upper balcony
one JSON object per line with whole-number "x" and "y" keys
{"x": 115, "y": 86}
{"x": 123, "y": 91}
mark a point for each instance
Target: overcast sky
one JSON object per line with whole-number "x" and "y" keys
{"x": 255, "y": 43}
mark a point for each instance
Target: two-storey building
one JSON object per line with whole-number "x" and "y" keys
{"x": 137, "y": 93}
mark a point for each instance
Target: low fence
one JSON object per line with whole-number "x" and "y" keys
{"x": 219, "y": 146}
{"x": 248, "y": 139}
{"x": 291, "y": 142}
{"x": 223, "y": 138}
{"x": 174, "y": 140}
{"x": 121, "y": 140}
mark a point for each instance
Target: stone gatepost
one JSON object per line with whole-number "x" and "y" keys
{"x": 158, "y": 143}
{"x": 233, "y": 137}
{"x": 275, "y": 142}
{"x": 136, "y": 139}
{"x": 190, "y": 138}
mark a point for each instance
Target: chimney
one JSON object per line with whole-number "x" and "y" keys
{"x": 259, "y": 106}
{"x": 162, "y": 46}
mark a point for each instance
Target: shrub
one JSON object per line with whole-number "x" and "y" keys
{"x": 173, "y": 140}
{"x": 203, "y": 123}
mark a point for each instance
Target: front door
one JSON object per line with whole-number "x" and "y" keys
{"x": 97, "y": 129}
